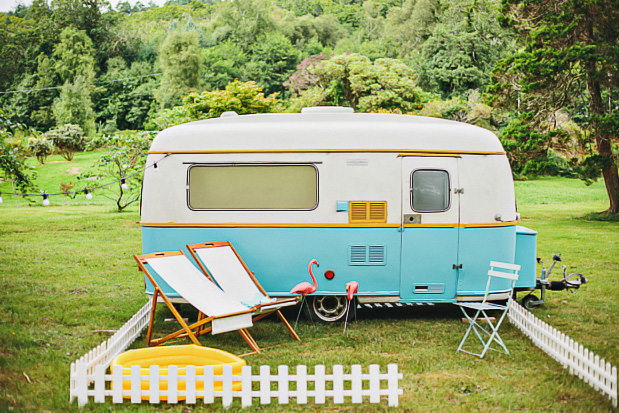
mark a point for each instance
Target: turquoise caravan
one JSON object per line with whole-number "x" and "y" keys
{"x": 412, "y": 208}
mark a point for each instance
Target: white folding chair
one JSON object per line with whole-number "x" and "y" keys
{"x": 499, "y": 272}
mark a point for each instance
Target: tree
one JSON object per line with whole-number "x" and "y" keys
{"x": 74, "y": 106}
{"x": 123, "y": 160}
{"x": 353, "y": 80}
{"x": 273, "y": 59}
{"x": 75, "y": 64}
{"x": 569, "y": 55}
{"x": 180, "y": 59}
{"x": 243, "y": 98}
{"x": 11, "y": 163}
{"x": 462, "y": 48}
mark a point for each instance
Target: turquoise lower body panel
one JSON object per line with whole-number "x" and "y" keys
{"x": 526, "y": 255}
{"x": 279, "y": 256}
{"x": 428, "y": 258}
{"x": 371, "y": 256}
{"x": 479, "y": 246}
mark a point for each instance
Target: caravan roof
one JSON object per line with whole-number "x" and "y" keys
{"x": 329, "y": 129}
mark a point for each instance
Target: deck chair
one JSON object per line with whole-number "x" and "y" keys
{"x": 498, "y": 270}
{"x": 223, "y": 312}
{"x": 222, "y": 264}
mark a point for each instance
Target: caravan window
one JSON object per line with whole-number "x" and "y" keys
{"x": 430, "y": 190}
{"x": 277, "y": 187}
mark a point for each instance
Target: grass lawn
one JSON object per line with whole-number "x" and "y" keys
{"x": 67, "y": 275}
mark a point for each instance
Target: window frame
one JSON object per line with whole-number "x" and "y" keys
{"x": 241, "y": 164}
{"x": 448, "y": 190}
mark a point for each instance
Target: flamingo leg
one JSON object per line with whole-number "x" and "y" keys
{"x": 346, "y": 320}
{"x": 300, "y": 308}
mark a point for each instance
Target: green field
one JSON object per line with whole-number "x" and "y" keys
{"x": 67, "y": 275}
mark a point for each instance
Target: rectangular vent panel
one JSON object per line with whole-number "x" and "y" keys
{"x": 367, "y": 255}
{"x": 358, "y": 254}
{"x": 366, "y": 212}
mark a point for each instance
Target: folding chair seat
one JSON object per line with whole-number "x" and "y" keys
{"x": 223, "y": 265}
{"x": 507, "y": 275}
{"x": 223, "y": 312}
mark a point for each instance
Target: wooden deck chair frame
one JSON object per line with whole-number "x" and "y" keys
{"x": 489, "y": 335}
{"x": 262, "y": 310}
{"x": 192, "y": 331}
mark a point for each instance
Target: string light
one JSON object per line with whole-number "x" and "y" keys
{"x": 88, "y": 192}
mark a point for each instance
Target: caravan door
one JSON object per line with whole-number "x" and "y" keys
{"x": 430, "y": 219}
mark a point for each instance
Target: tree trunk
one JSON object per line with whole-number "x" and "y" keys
{"x": 603, "y": 137}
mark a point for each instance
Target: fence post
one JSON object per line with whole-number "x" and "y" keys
{"x": 99, "y": 384}
{"x": 153, "y": 380}
{"x": 117, "y": 385}
{"x": 301, "y": 384}
{"x": 356, "y": 384}
{"x": 614, "y": 386}
{"x": 190, "y": 384}
{"x": 338, "y": 384}
{"x": 246, "y": 389}
{"x": 136, "y": 384}
{"x": 282, "y": 384}
{"x": 392, "y": 384}
{"x": 81, "y": 381}
{"x": 265, "y": 384}
{"x": 374, "y": 383}
{"x": 319, "y": 384}
{"x": 226, "y": 398}
{"x": 209, "y": 385}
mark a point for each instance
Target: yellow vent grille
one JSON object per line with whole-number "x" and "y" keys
{"x": 367, "y": 211}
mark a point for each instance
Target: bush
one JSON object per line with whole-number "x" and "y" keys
{"x": 68, "y": 139}
{"x": 40, "y": 147}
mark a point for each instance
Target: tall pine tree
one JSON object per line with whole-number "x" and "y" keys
{"x": 569, "y": 61}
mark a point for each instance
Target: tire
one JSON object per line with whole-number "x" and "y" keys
{"x": 530, "y": 302}
{"x": 327, "y": 308}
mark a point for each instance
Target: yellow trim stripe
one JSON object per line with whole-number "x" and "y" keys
{"x": 474, "y": 225}
{"x": 324, "y": 225}
{"x": 400, "y": 152}
{"x": 265, "y": 225}
{"x": 433, "y": 155}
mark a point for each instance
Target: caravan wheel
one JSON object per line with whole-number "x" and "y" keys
{"x": 328, "y": 308}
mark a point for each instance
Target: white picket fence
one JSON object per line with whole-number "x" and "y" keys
{"x": 192, "y": 387}
{"x": 104, "y": 353}
{"x": 600, "y": 375}
{"x": 88, "y": 379}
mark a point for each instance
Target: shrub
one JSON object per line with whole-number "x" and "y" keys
{"x": 40, "y": 147}
{"x": 68, "y": 139}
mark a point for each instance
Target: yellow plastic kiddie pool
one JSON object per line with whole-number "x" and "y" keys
{"x": 181, "y": 356}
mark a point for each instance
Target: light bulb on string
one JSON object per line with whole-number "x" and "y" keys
{"x": 123, "y": 184}
{"x": 156, "y": 167}
{"x": 88, "y": 194}
{"x": 45, "y": 200}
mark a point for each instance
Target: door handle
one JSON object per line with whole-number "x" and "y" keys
{"x": 457, "y": 267}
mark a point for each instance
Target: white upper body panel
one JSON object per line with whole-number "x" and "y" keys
{"x": 358, "y": 157}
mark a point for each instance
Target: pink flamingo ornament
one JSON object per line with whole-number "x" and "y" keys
{"x": 306, "y": 288}
{"x": 351, "y": 289}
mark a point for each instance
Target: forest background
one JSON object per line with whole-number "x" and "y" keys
{"x": 79, "y": 74}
